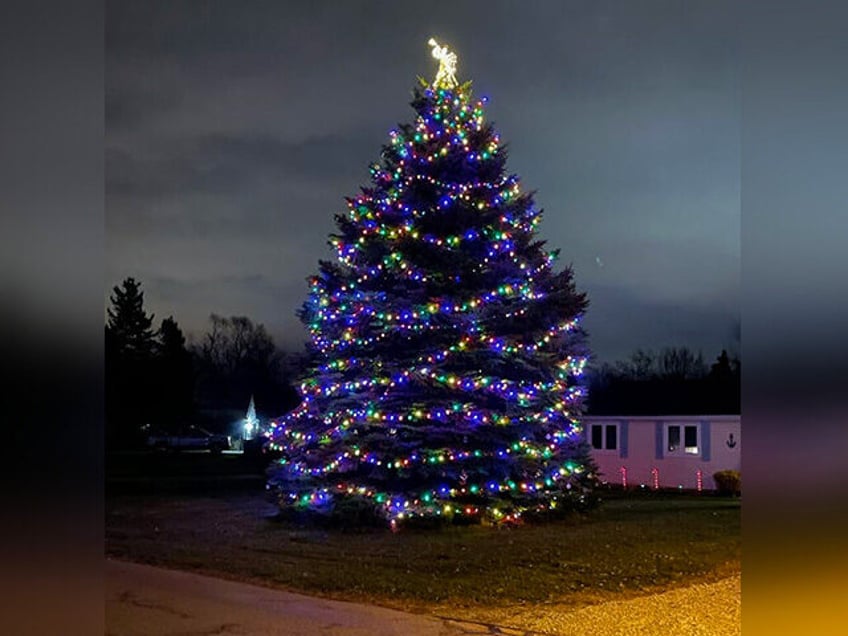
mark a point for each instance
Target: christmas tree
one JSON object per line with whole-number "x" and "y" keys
{"x": 447, "y": 349}
{"x": 251, "y": 422}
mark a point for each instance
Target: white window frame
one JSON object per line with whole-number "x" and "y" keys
{"x": 604, "y": 448}
{"x": 681, "y": 450}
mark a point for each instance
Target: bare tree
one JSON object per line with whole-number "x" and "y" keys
{"x": 681, "y": 363}
{"x": 670, "y": 363}
{"x": 641, "y": 365}
{"x": 237, "y": 358}
{"x": 233, "y": 343}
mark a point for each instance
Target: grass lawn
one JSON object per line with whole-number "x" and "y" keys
{"x": 638, "y": 544}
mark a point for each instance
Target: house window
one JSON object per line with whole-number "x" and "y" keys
{"x": 605, "y": 436}
{"x": 611, "y": 436}
{"x": 690, "y": 440}
{"x": 682, "y": 439}
{"x": 597, "y": 436}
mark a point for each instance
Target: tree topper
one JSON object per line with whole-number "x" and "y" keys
{"x": 446, "y": 76}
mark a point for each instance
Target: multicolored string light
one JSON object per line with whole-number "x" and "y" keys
{"x": 448, "y": 352}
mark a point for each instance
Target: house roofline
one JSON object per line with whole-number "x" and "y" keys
{"x": 654, "y": 418}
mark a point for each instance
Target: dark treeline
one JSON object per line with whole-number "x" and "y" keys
{"x": 153, "y": 376}
{"x": 236, "y": 359}
{"x": 674, "y": 381}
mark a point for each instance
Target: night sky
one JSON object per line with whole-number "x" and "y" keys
{"x": 235, "y": 130}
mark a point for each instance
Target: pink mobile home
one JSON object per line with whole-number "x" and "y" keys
{"x": 668, "y": 451}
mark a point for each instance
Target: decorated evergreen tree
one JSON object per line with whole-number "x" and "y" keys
{"x": 251, "y": 422}
{"x": 447, "y": 349}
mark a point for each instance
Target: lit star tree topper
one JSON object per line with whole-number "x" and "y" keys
{"x": 447, "y": 352}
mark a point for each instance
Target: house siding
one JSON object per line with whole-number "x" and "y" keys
{"x": 623, "y": 438}
{"x": 641, "y": 450}
{"x": 706, "y": 440}
{"x": 658, "y": 439}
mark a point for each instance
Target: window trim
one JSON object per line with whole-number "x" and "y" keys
{"x": 604, "y": 449}
{"x": 681, "y": 449}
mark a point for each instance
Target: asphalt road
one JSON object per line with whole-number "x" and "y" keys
{"x": 147, "y": 601}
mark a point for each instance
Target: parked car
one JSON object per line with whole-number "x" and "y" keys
{"x": 190, "y": 438}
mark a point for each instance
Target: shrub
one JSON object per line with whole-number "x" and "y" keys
{"x": 728, "y": 482}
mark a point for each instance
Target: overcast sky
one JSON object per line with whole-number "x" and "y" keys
{"x": 235, "y": 130}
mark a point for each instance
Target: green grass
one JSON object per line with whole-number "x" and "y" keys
{"x": 630, "y": 545}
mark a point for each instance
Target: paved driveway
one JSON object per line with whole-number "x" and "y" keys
{"x": 148, "y": 601}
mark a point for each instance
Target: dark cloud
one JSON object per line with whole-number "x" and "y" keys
{"x": 620, "y": 320}
{"x": 223, "y": 163}
{"x": 228, "y": 295}
{"x": 129, "y": 107}
{"x": 235, "y": 130}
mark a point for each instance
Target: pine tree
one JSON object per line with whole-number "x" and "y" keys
{"x": 130, "y": 346}
{"x": 174, "y": 375}
{"x": 447, "y": 349}
{"x": 131, "y": 329}
{"x": 721, "y": 370}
